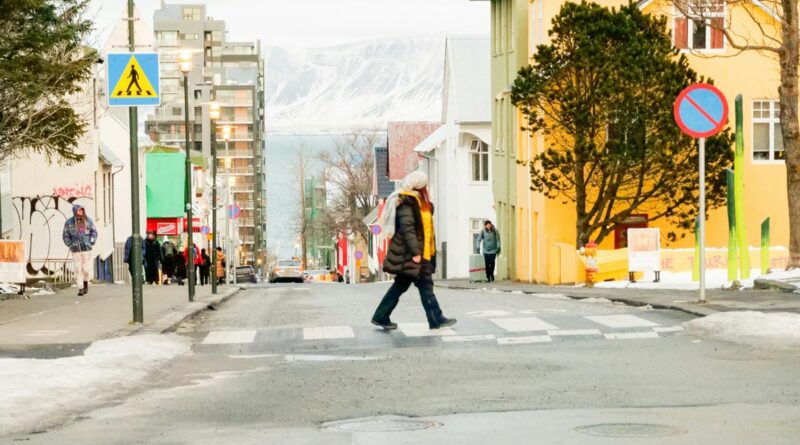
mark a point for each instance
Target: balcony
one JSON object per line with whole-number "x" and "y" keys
{"x": 234, "y": 153}
{"x": 240, "y": 170}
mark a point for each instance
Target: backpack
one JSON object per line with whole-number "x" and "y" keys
{"x": 169, "y": 249}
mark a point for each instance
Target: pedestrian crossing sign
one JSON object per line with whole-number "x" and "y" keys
{"x": 133, "y": 79}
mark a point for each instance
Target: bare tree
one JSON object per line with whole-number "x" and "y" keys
{"x": 776, "y": 22}
{"x": 302, "y": 218}
{"x": 350, "y": 172}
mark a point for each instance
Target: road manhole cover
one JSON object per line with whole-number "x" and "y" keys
{"x": 629, "y": 430}
{"x": 389, "y": 424}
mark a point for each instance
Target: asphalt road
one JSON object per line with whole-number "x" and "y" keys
{"x": 296, "y": 364}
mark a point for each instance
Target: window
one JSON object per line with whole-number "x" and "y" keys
{"x": 767, "y": 136}
{"x": 192, "y": 14}
{"x": 701, "y": 28}
{"x": 168, "y": 38}
{"x": 475, "y": 227}
{"x": 479, "y": 160}
{"x": 191, "y": 36}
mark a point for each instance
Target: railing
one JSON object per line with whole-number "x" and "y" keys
{"x": 59, "y": 270}
{"x": 235, "y": 153}
{"x": 241, "y": 170}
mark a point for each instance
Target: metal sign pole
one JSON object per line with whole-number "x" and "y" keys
{"x": 702, "y": 222}
{"x": 136, "y": 243}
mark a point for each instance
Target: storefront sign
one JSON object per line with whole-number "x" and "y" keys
{"x": 644, "y": 250}
{"x": 12, "y": 261}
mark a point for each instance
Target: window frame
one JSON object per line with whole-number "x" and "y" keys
{"x": 479, "y": 150}
{"x": 772, "y": 119}
{"x": 690, "y": 26}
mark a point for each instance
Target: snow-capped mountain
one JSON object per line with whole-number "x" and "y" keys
{"x": 356, "y": 85}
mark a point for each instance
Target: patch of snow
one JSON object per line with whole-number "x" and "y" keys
{"x": 552, "y": 296}
{"x": 36, "y": 392}
{"x": 777, "y": 330}
{"x": 715, "y": 279}
{"x": 7, "y": 288}
{"x": 783, "y": 275}
{"x": 43, "y": 292}
{"x": 517, "y": 292}
{"x": 596, "y": 300}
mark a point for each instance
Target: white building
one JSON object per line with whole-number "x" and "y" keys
{"x": 456, "y": 156}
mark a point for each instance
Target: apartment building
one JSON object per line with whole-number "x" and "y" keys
{"x": 232, "y": 74}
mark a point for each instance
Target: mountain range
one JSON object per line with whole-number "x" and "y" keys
{"x": 360, "y": 85}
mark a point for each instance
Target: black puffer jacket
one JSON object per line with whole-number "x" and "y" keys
{"x": 407, "y": 242}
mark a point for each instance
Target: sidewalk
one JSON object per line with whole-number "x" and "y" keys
{"x": 681, "y": 300}
{"x": 106, "y": 311}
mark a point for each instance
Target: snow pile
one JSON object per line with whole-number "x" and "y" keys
{"x": 35, "y": 392}
{"x": 596, "y": 300}
{"x": 715, "y": 279}
{"x": 783, "y": 275}
{"x": 778, "y": 330}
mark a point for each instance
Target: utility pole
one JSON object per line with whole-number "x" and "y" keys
{"x": 303, "y": 219}
{"x": 186, "y": 68}
{"x": 136, "y": 245}
{"x": 214, "y": 114}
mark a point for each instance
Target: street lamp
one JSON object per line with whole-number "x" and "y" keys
{"x": 185, "y": 63}
{"x": 213, "y": 114}
{"x": 226, "y": 136}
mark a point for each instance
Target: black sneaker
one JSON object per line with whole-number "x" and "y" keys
{"x": 387, "y": 325}
{"x": 446, "y": 322}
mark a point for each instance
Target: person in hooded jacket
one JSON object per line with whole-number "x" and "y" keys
{"x": 408, "y": 219}
{"x": 152, "y": 258}
{"x": 80, "y": 235}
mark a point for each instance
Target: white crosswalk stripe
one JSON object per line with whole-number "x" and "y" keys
{"x": 504, "y": 341}
{"x": 422, "y": 330}
{"x": 631, "y": 335}
{"x": 574, "y": 332}
{"x": 622, "y": 321}
{"x": 526, "y": 324}
{"x": 328, "y": 333}
{"x": 665, "y": 329}
{"x": 467, "y": 338}
{"x": 229, "y": 337}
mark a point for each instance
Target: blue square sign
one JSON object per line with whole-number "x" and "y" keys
{"x": 133, "y": 79}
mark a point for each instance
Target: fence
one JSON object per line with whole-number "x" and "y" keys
{"x": 58, "y": 270}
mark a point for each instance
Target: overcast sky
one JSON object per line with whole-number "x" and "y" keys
{"x": 315, "y": 23}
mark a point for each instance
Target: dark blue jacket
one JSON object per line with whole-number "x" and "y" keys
{"x": 128, "y": 246}
{"x": 76, "y": 240}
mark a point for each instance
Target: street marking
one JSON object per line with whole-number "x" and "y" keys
{"x": 488, "y": 314}
{"x": 254, "y": 356}
{"x": 665, "y": 329}
{"x": 630, "y": 335}
{"x": 328, "y": 333}
{"x": 45, "y": 333}
{"x": 574, "y": 332}
{"x": 526, "y": 324}
{"x": 538, "y": 311}
{"x": 229, "y": 337}
{"x": 622, "y": 321}
{"x": 328, "y": 358}
{"x": 422, "y": 330}
{"x": 504, "y": 341}
{"x": 468, "y": 338}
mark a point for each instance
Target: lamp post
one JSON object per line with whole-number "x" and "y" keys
{"x": 213, "y": 113}
{"x": 185, "y": 62}
{"x": 226, "y": 136}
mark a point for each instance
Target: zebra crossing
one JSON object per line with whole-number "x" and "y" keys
{"x": 501, "y": 328}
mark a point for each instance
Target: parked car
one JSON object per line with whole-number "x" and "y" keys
{"x": 287, "y": 270}
{"x": 318, "y": 276}
{"x": 246, "y": 274}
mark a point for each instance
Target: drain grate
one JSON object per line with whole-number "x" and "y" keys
{"x": 386, "y": 424}
{"x": 629, "y": 430}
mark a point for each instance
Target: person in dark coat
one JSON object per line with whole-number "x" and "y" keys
{"x": 152, "y": 258}
{"x": 168, "y": 253}
{"x": 127, "y": 255}
{"x": 205, "y": 267}
{"x": 411, "y": 257}
{"x": 180, "y": 268}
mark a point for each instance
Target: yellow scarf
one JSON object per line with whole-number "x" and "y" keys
{"x": 429, "y": 244}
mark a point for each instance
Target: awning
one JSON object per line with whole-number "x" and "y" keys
{"x": 108, "y": 156}
{"x": 433, "y": 141}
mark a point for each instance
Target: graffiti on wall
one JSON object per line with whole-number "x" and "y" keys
{"x": 40, "y": 221}
{"x": 75, "y": 191}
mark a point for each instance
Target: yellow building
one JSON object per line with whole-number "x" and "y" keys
{"x": 544, "y": 230}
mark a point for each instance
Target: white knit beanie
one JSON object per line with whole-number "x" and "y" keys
{"x": 413, "y": 181}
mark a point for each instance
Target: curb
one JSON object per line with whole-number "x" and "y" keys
{"x": 170, "y": 322}
{"x": 691, "y": 310}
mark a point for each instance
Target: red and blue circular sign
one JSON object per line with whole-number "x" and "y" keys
{"x": 234, "y": 211}
{"x": 359, "y": 255}
{"x": 701, "y": 110}
{"x": 376, "y": 229}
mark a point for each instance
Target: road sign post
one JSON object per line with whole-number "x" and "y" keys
{"x": 701, "y": 111}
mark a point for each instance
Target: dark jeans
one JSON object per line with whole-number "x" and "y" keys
{"x": 204, "y": 276}
{"x": 489, "y": 259}
{"x": 401, "y": 284}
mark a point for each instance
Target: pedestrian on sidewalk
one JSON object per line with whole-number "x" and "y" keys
{"x": 220, "y": 266}
{"x": 180, "y": 268}
{"x": 152, "y": 258}
{"x": 408, "y": 220}
{"x": 127, "y": 255}
{"x": 490, "y": 238}
{"x": 197, "y": 260}
{"x": 205, "y": 268}
{"x": 168, "y": 253}
{"x": 80, "y": 235}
